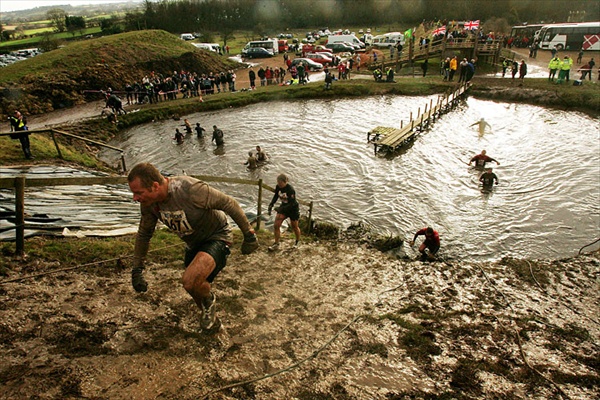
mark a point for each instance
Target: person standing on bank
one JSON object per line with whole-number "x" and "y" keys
{"x": 289, "y": 208}
{"x": 18, "y": 125}
{"x": 431, "y": 242}
{"x": 197, "y": 213}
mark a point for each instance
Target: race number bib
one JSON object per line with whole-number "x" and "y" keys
{"x": 176, "y": 221}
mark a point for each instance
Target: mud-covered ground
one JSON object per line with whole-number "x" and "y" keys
{"x": 330, "y": 320}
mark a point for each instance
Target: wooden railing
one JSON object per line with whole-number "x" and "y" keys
{"x": 54, "y": 132}
{"x": 20, "y": 183}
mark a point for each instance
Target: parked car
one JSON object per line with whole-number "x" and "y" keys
{"x": 321, "y": 49}
{"x": 339, "y": 47}
{"x": 321, "y": 58}
{"x": 256, "y": 52}
{"x": 312, "y": 65}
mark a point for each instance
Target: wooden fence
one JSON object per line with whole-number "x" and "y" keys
{"x": 20, "y": 183}
{"x": 54, "y": 132}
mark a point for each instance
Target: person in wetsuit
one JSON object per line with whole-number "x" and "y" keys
{"x": 289, "y": 208}
{"x": 217, "y": 136}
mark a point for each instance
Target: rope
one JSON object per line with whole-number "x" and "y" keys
{"x": 80, "y": 266}
{"x": 519, "y": 342}
{"x": 299, "y": 363}
{"x": 289, "y": 368}
{"x": 587, "y": 245}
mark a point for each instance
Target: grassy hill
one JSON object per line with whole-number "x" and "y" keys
{"x": 58, "y": 79}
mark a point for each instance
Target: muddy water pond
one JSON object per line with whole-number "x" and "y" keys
{"x": 546, "y": 205}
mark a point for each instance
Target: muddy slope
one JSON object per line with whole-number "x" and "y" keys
{"x": 327, "y": 321}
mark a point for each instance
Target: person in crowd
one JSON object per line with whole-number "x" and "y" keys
{"x": 463, "y": 67}
{"x": 251, "y": 161}
{"x": 262, "y": 76}
{"x": 199, "y": 130}
{"x": 580, "y": 56}
{"x": 252, "y": 77}
{"x": 470, "y": 70}
{"x": 198, "y": 214}
{"x": 482, "y": 125}
{"x": 522, "y": 70}
{"x": 18, "y": 125}
{"x": 505, "y": 65}
{"x": 114, "y": 102}
{"x": 178, "y": 136}
{"x": 425, "y": 67}
{"x": 261, "y": 156}
{"x": 453, "y": 68}
{"x": 217, "y": 136}
{"x": 482, "y": 158}
{"x": 328, "y": 79}
{"x": 289, "y": 208}
{"x": 585, "y": 69}
{"x": 565, "y": 69}
{"x": 514, "y": 68}
{"x": 431, "y": 242}
{"x": 553, "y": 66}
{"x": 488, "y": 179}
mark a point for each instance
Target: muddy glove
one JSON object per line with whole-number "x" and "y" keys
{"x": 137, "y": 279}
{"x": 250, "y": 242}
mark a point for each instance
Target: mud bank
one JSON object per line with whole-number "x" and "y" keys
{"x": 329, "y": 320}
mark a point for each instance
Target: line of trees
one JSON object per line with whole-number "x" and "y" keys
{"x": 217, "y": 15}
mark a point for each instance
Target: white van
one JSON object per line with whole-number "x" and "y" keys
{"x": 345, "y": 38}
{"x": 187, "y": 36}
{"x": 270, "y": 44}
{"x": 216, "y": 47}
{"x": 387, "y": 40}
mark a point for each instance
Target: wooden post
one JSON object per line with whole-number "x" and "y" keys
{"x": 123, "y": 162}
{"x": 20, "y": 214}
{"x": 259, "y": 205}
{"x": 56, "y": 144}
{"x": 310, "y": 209}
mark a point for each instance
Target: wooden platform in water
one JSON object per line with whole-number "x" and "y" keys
{"x": 391, "y": 137}
{"x": 388, "y": 138}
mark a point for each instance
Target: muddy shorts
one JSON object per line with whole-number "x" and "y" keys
{"x": 217, "y": 249}
{"x": 432, "y": 246}
{"x": 291, "y": 212}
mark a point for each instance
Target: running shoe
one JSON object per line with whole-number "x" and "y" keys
{"x": 207, "y": 319}
{"x": 274, "y": 246}
{"x": 295, "y": 246}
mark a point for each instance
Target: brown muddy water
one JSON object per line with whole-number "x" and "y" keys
{"x": 546, "y": 205}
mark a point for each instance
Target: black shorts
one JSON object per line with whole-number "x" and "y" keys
{"x": 217, "y": 249}
{"x": 291, "y": 212}
{"x": 432, "y": 246}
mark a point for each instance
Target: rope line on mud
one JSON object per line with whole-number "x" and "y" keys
{"x": 519, "y": 342}
{"x": 574, "y": 310}
{"x": 22, "y": 278}
{"x": 588, "y": 245}
{"x": 289, "y": 368}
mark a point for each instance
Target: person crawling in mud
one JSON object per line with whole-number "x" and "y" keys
{"x": 198, "y": 214}
{"x": 431, "y": 243}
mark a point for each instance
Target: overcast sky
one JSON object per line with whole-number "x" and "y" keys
{"x": 13, "y": 5}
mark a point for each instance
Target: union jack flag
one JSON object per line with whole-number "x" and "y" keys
{"x": 440, "y": 31}
{"x": 471, "y": 25}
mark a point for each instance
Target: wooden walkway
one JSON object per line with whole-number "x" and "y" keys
{"x": 388, "y": 139}
{"x": 467, "y": 48}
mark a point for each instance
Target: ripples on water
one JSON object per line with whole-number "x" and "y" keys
{"x": 547, "y": 203}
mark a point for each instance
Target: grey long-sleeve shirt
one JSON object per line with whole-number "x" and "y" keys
{"x": 194, "y": 211}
